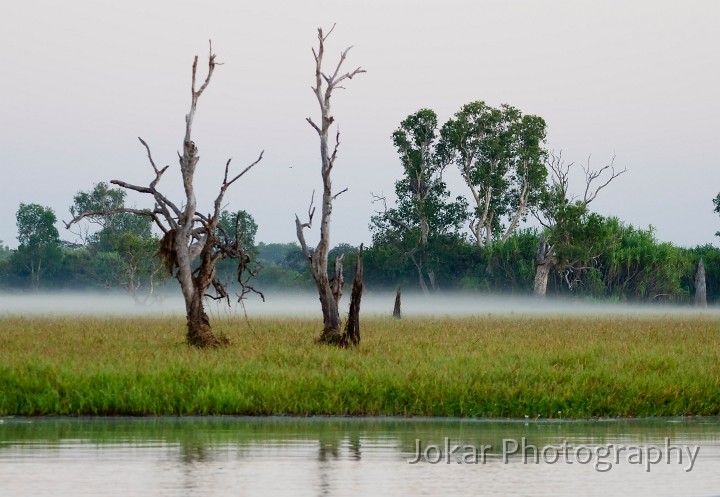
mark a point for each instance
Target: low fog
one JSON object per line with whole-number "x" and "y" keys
{"x": 307, "y": 305}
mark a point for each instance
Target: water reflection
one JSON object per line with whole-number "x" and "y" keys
{"x": 347, "y": 456}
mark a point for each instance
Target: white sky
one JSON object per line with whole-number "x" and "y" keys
{"x": 82, "y": 79}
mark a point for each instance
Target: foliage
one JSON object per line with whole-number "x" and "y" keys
{"x": 283, "y": 267}
{"x": 5, "y": 252}
{"x": 239, "y": 226}
{"x": 424, "y": 210}
{"x": 711, "y": 257}
{"x": 38, "y": 252}
{"x": 602, "y": 257}
{"x": 640, "y": 268}
{"x": 123, "y": 251}
{"x": 510, "y": 266}
{"x": 500, "y": 156}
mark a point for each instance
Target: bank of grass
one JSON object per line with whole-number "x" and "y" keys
{"x": 547, "y": 367}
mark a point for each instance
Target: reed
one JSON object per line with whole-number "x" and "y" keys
{"x": 546, "y": 367}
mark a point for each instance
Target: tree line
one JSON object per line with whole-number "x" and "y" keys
{"x": 610, "y": 260}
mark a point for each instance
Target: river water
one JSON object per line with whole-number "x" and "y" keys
{"x": 276, "y": 456}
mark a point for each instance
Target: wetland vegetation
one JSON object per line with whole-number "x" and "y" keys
{"x": 481, "y": 366}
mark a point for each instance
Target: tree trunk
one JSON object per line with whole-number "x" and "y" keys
{"x": 331, "y": 314}
{"x": 199, "y": 332}
{"x": 700, "y": 287}
{"x": 396, "y": 309}
{"x": 193, "y": 286}
{"x": 352, "y": 328}
{"x": 544, "y": 260}
{"x": 421, "y": 275}
{"x": 423, "y": 285}
{"x": 433, "y": 282}
{"x": 329, "y": 290}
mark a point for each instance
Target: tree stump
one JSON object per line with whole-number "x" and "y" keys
{"x": 352, "y": 327}
{"x": 396, "y": 309}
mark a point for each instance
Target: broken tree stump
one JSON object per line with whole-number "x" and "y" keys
{"x": 396, "y": 309}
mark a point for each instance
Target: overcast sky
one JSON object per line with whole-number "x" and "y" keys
{"x": 83, "y": 79}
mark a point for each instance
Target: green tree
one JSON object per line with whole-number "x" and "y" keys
{"x": 501, "y": 159}
{"x": 123, "y": 251}
{"x": 38, "y": 250}
{"x": 573, "y": 234}
{"x": 639, "y": 267}
{"x": 5, "y": 265}
{"x": 510, "y": 266}
{"x": 238, "y": 230}
{"x": 5, "y": 251}
{"x": 102, "y": 198}
{"x": 239, "y": 226}
{"x": 283, "y": 267}
{"x": 424, "y": 209}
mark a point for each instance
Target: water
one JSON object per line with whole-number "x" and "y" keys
{"x": 355, "y": 457}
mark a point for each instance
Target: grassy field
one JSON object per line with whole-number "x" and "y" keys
{"x": 548, "y": 367}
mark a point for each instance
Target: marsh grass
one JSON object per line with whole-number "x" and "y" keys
{"x": 548, "y": 367}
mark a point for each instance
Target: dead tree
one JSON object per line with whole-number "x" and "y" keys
{"x": 352, "y": 327}
{"x": 188, "y": 234}
{"x": 544, "y": 262}
{"x": 700, "y": 287}
{"x": 330, "y": 290}
{"x": 551, "y": 215}
{"x": 396, "y": 310}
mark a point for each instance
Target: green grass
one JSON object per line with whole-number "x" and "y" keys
{"x": 545, "y": 367}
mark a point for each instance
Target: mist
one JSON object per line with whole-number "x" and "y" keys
{"x": 306, "y": 305}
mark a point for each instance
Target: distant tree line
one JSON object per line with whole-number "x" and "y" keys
{"x": 423, "y": 240}
{"x": 623, "y": 263}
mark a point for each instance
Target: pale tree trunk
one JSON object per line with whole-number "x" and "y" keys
{"x": 544, "y": 261}
{"x": 421, "y": 275}
{"x": 700, "y": 287}
{"x": 521, "y": 208}
{"x": 329, "y": 290}
{"x": 35, "y": 273}
{"x": 433, "y": 282}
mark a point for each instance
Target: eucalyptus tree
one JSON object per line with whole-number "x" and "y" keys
{"x": 38, "y": 241}
{"x": 500, "y": 156}
{"x": 192, "y": 242}
{"x": 424, "y": 210}
{"x": 329, "y": 288}
{"x": 124, "y": 247}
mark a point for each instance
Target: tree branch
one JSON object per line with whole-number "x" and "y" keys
{"x": 591, "y": 175}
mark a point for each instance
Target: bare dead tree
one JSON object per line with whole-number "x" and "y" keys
{"x": 591, "y": 191}
{"x": 189, "y": 235}
{"x": 329, "y": 291}
{"x": 558, "y": 199}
